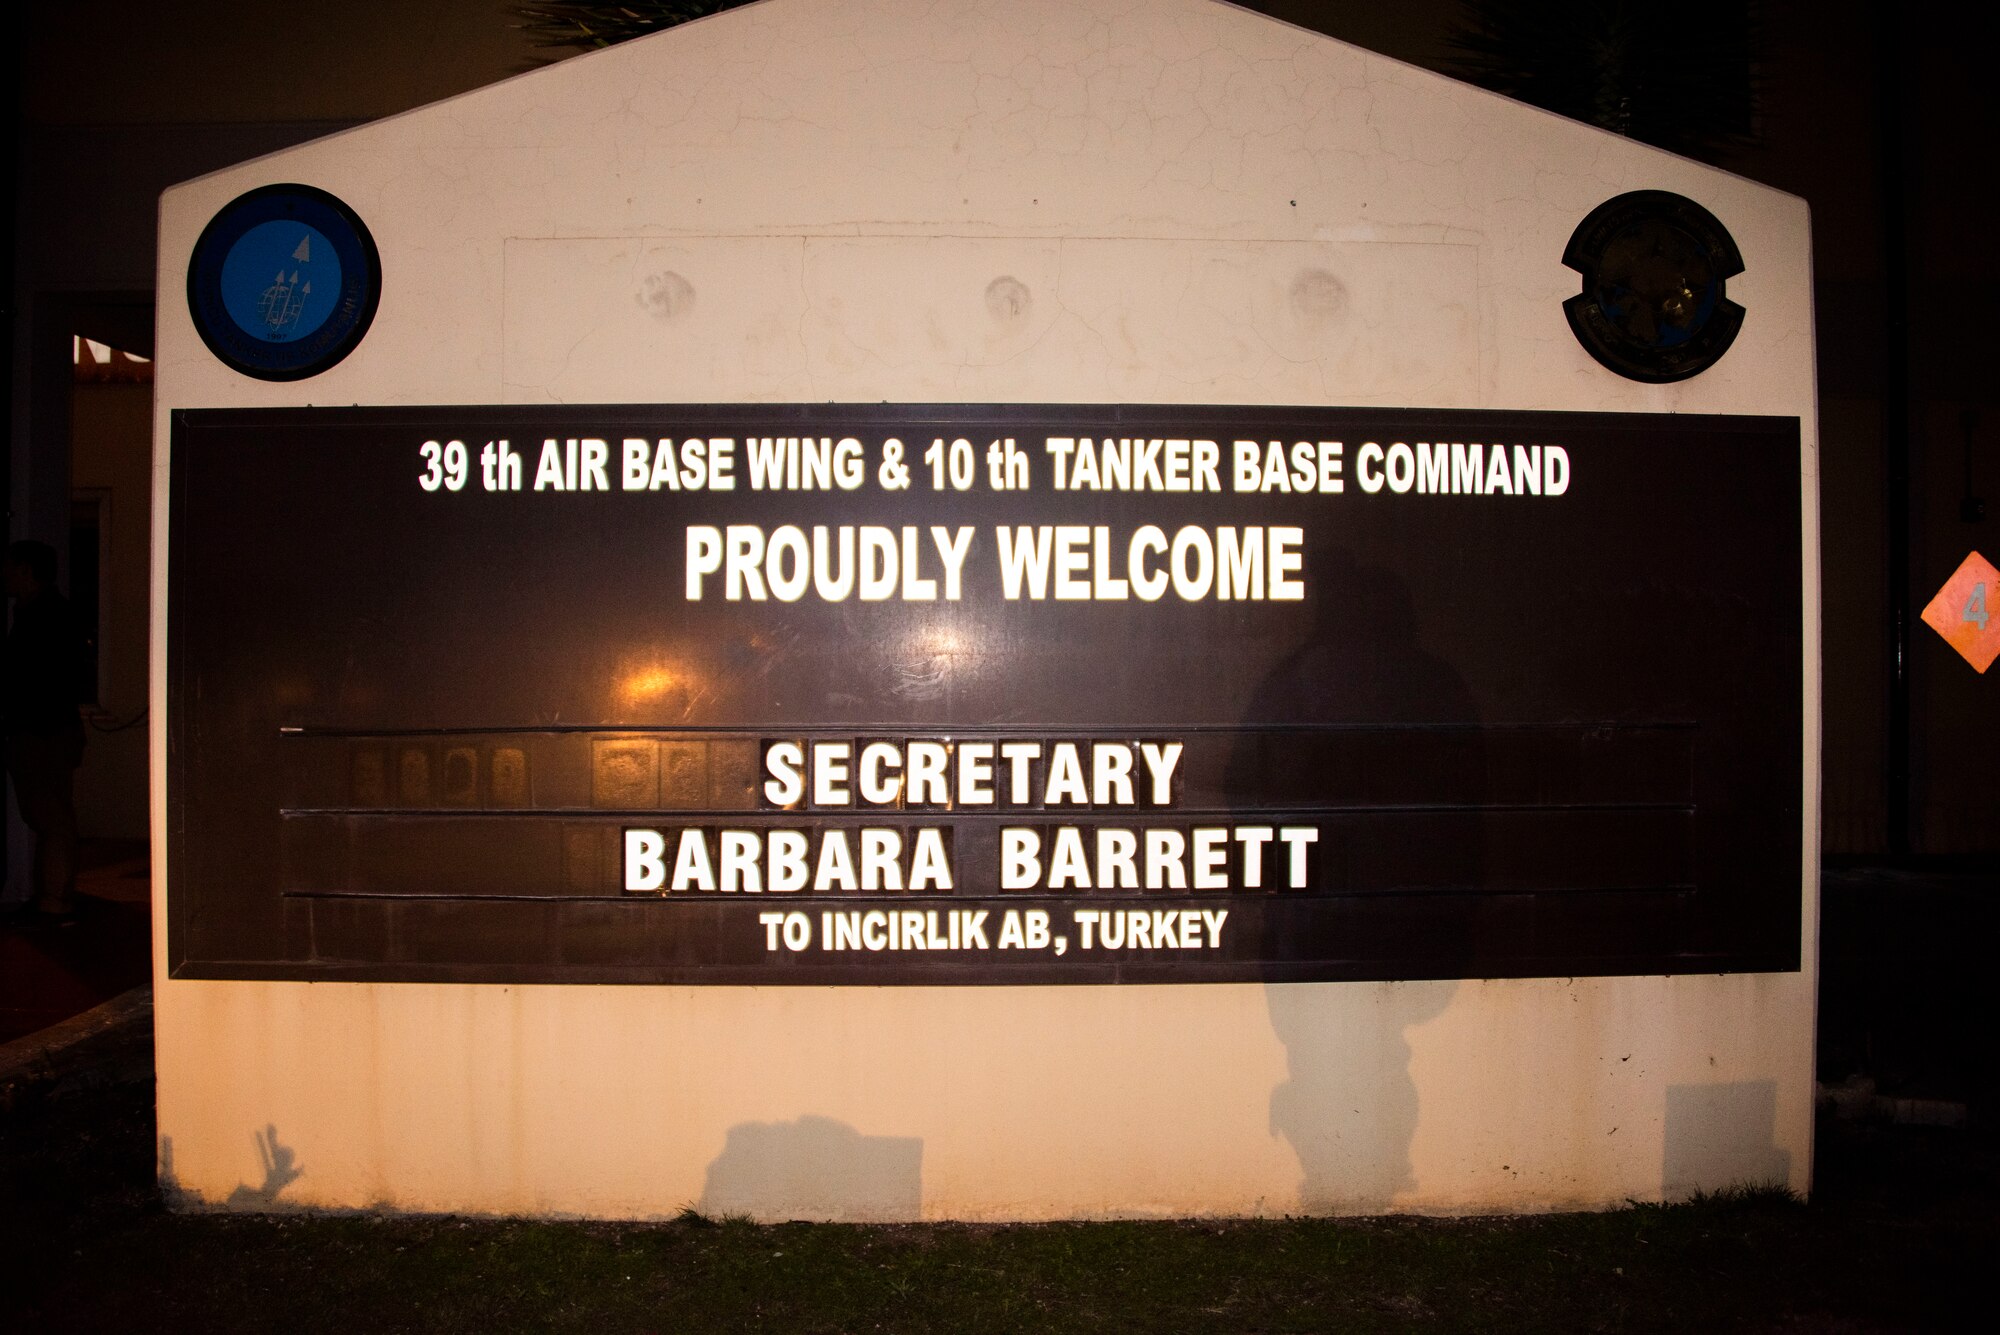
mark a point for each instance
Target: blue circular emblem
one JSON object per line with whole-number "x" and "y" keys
{"x": 283, "y": 282}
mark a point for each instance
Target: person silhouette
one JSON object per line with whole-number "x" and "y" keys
{"x": 1349, "y": 1105}
{"x": 44, "y": 728}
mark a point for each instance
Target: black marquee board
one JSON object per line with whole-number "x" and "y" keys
{"x": 483, "y": 734}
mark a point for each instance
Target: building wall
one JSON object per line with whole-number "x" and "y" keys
{"x": 838, "y": 186}
{"x": 1868, "y": 111}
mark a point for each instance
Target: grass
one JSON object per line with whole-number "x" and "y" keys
{"x": 1897, "y": 1240}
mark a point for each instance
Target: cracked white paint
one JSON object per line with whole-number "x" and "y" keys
{"x": 835, "y": 186}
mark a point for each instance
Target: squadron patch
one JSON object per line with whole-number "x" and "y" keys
{"x": 284, "y": 282}
{"x": 1654, "y": 305}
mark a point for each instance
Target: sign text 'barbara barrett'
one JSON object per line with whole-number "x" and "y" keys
{"x": 855, "y": 693}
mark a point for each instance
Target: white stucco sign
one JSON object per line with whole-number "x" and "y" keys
{"x": 984, "y": 610}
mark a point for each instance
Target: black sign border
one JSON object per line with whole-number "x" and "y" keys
{"x": 1779, "y": 950}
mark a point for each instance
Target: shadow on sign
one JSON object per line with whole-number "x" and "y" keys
{"x": 281, "y": 1169}
{"x": 815, "y": 1168}
{"x": 1349, "y": 1106}
{"x": 1721, "y": 1136}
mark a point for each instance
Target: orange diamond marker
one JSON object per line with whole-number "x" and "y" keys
{"x": 1966, "y": 612}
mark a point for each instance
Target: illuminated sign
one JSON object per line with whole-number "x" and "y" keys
{"x": 1057, "y": 694}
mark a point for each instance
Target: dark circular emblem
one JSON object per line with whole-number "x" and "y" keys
{"x": 283, "y": 282}
{"x": 1654, "y": 306}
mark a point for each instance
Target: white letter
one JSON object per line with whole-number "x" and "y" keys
{"x": 1402, "y": 468}
{"x": 1555, "y": 470}
{"x": 788, "y": 587}
{"x": 746, "y": 553}
{"x": 929, "y": 867}
{"x": 798, "y": 931}
{"x": 782, "y": 761}
{"x": 1211, "y": 853}
{"x": 1253, "y": 838}
{"x": 785, "y": 850}
{"x": 1111, "y": 774}
{"x": 691, "y": 866}
{"x": 916, "y": 588}
{"x": 878, "y": 563}
{"x": 1024, "y": 560}
{"x": 975, "y": 774}
{"x": 1149, "y": 586}
{"x": 1068, "y": 866}
{"x": 739, "y": 862}
{"x": 1020, "y": 861}
{"x": 925, "y": 780}
{"x": 876, "y": 757}
{"x": 881, "y": 866}
{"x": 952, "y": 545}
{"x": 1160, "y": 758}
{"x": 1019, "y": 755}
{"x": 1065, "y": 780}
{"x": 704, "y": 557}
{"x": 1247, "y": 454}
{"x": 1072, "y": 559}
{"x": 1366, "y": 472}
{"x": 1193, "y": 586}
{"x": 645, "y": 863}
{"x": 830, "y": 773}
{"x": 1298, "y": 838}
{"x": 1286, "y": 558}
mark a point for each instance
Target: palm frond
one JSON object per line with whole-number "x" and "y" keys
{"x": 556, "y": 23}
{"x": 1681, "y": 77}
